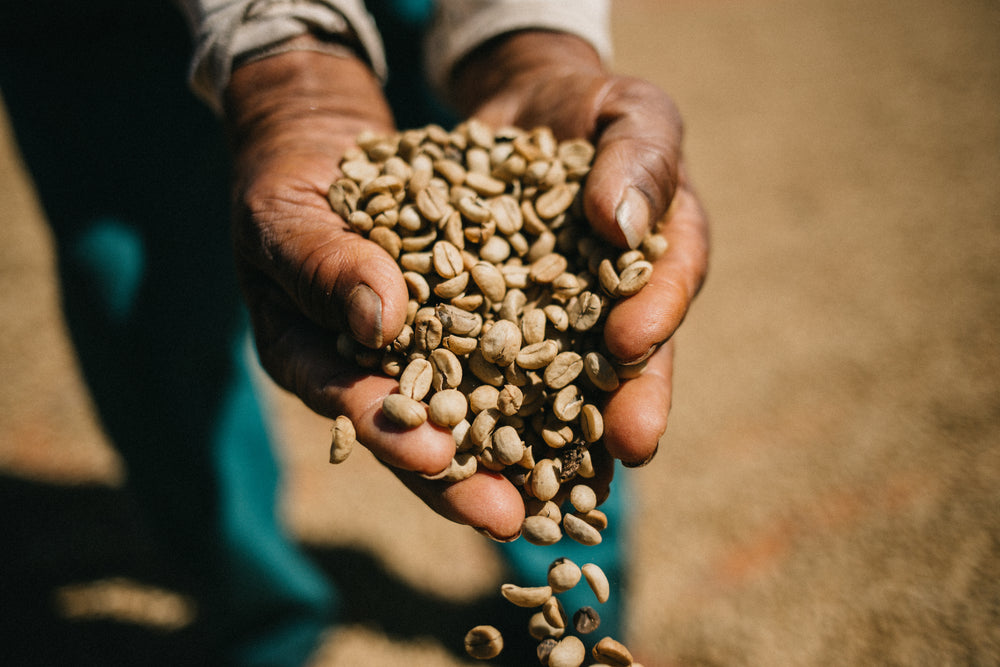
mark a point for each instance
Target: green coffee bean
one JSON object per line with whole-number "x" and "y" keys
{"x": 447, "y": 407}
{"x": 583, "y": 498}
{"x": 569, "y": 652}
{"x": 509, "y": 291}
{"x": 404, "y": 410}
{"x": 415, "y": 380}
{"x": 580, "y": 530}
{"x": 344, "y": 438}
{"x": 612, "y": 653}
{"x": 526, "y": 596}
{"x": 541, "y": 530}
{"x": 540, "y": 629}
{"x": 586, "y": 620}
{"x": 554, "y": 613}
{"x": 483, "y": 642}
{"x": 563, "y": 575}
{"x": 597, "y": 581}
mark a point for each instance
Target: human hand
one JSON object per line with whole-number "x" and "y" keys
{"x": 637, "y": 184}
{"x": 306, "y": 275}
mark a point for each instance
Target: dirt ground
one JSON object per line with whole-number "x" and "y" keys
{"x": 828, "y": 491}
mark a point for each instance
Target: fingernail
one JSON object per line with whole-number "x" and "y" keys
{"x": 632, "y": 216}
{"x": 364, "y": 315}
{"x": 488, "y": 534}
{"x": 645, "y": 461}
{"x": 641, "y": 358}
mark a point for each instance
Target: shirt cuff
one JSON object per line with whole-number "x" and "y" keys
{"x": 226, "y": 31}
{"x": 462, "y": 25}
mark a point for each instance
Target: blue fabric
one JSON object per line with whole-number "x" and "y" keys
{"x": 403, "y": 24}
{"x": 112, "y": 254}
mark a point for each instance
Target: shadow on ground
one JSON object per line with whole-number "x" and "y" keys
{"x": 77, "y": 567}
{"x": 372, "y": 595}
{"x": 84, "y": 583}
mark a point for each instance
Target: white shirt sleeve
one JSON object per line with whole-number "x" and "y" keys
{"x": 225, "y": 30}
{"x": 462, "y": 25}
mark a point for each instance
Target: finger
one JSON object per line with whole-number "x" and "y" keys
{"x": 303, "y": 358}
{"x": 636, "y": 324}
{"x": 635, "y": 170}
{"x": 486, "y": 501}
{"x": 604, "y": 473}
{"x": 635, "y": 416}
{"x": 336, "y": 277}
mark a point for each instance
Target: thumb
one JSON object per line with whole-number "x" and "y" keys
{"x": 635, "y": 171}
{"x": 348, "y": 281}
{"x": 334, "y": 276}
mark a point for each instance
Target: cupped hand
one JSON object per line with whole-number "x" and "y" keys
{"x": 637, "y": 185}
{"x": 306, "y": 276}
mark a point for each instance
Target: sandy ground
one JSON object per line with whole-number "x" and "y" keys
{"x": 828, "y": 491}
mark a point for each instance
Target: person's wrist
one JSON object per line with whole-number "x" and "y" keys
{"x": 302, "y": 100}
{"x": 338, "y": 46}
{"x": 519, "y": 61}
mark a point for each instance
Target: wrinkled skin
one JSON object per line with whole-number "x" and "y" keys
{"x": 306, "y": 276}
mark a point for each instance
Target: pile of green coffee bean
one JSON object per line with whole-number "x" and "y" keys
{"x": 509, "y": 289}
